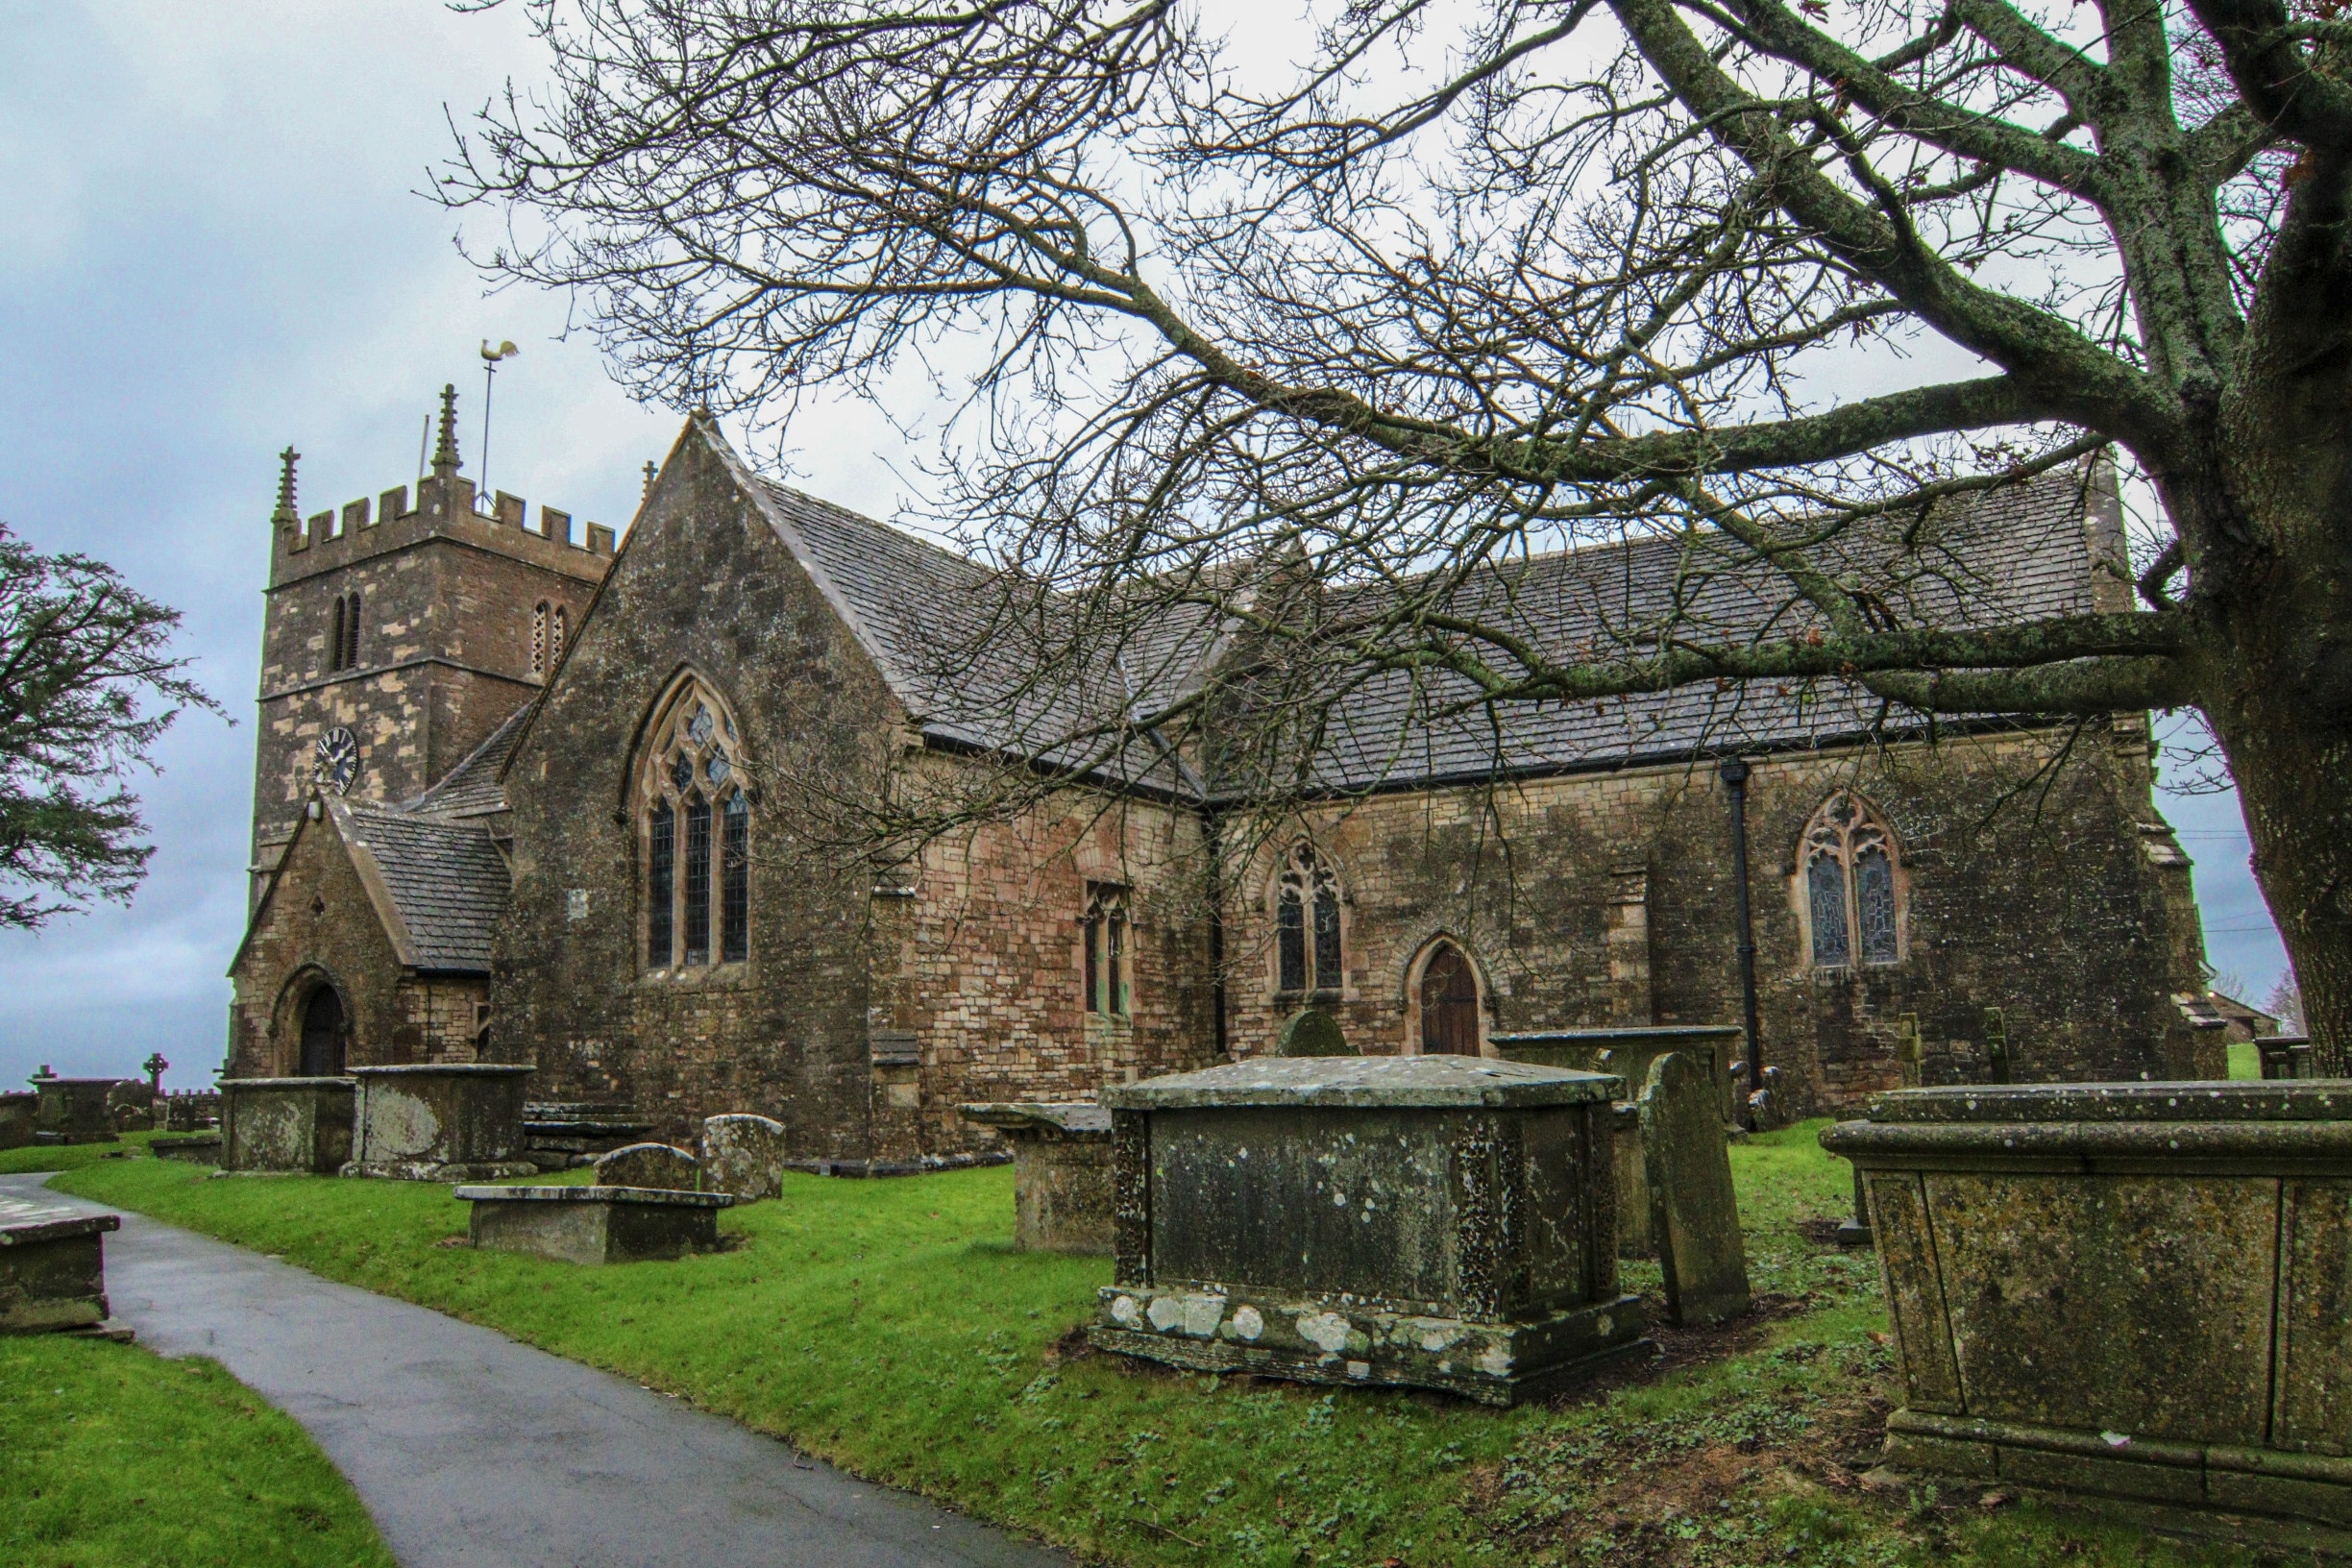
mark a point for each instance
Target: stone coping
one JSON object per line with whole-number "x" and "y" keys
{"x": 1020, "y": 1116}
{"x": 56, "y": 1230}
{"x": 2302, "y": 1099}
{"x": 447, "y": 1070}
{"x": 1365, "y": 1082}
{"x": 287, "y": 1083}
{"x": 1621, "y": 1036}
{"x": 2085, "y": 1144}
{"x": 541, "y": 1192}
{"x": 79, "y": 1083}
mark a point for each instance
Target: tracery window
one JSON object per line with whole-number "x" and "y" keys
{"x": 697, "y": 831}
{"x": 539, "y": 661}
{"x": 1106, "y": 950}
{"x": 1847, "y": 886}
{"x": 1306, "y": 947}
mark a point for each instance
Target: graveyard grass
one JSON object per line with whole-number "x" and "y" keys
{"x": 889, "y": 1327}
{"x": 112, "y": 1456}
{"x": 71, "y": 1155}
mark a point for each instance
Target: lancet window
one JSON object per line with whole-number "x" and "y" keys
{"x": 1107, "y": 963}
{"x": 1307, "y": 944}
{"x": 696, "y": 811}
{"x": 1849, "y": 886}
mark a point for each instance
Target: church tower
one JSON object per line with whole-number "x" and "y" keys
{"x": 396, "y": 638}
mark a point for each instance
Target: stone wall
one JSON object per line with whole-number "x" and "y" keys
{"x": 318, "y": 927}
{"x": 1604, "y": 898}
{"x": 982, "y": 967}
{"x": 703, "y": 583}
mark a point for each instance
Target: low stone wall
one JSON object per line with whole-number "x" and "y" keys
{"x": 2130, "y": 1291}
{"x": 1361, "y": 1220}
{"x": 286, "y": 1124}
{"x": 447, "y": 1121}
{"x": 594, "y": 1224}
{"x": 1062, "y": 1187}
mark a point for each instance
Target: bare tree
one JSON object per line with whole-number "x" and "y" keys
{"x": 87, "y": 683}
{"x": 1777, "y": 283}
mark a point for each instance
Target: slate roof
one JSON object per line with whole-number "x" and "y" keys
{"x": 2020, "y": 552}
{"x": 472, "y": 788}
{"x": 445, "y": 879}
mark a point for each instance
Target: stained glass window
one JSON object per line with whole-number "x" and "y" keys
{"x": 682, "y": 769}
{"x": 699, "y": 727}
{"x": 698, "y": 880}
{"x": 661, "y": 853}
{"x": 735, "y": 882}
{"x": 1290, "y": 936}
{"x": 1874, "y": 877}
{"x": 1826, "y": 886}
{"x": 1308, "y": 948}
{"x": 716, "y": 769}
{"x": 1853, "y": 896}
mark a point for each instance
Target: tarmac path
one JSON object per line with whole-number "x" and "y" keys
{"x": 473, "y": 1451}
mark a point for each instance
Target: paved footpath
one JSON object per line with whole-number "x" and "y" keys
{"x": 475, "y": 1452}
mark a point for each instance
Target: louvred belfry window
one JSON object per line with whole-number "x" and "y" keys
{"x": 1308, "y": 955}
{"x": 697, "y": 810}
{"x": 1850, "y": 886}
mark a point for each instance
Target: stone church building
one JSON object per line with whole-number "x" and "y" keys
{"x": 522, "y": 798}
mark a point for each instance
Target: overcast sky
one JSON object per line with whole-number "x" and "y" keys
{"x": 212, "y": 248}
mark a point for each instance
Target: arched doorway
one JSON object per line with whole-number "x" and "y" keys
{"x": 322, "y": 1035}
{"x": 1449, "y": 1003}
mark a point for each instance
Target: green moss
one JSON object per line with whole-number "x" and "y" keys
{"x": 889, "y": 1325}
{"x": 110, "y": 1454}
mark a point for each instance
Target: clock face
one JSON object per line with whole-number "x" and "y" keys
{"x": 336, "y": 763}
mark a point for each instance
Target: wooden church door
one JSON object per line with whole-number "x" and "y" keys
{"x": 322, "y": 1035}
{"x": 1449, "y": 1004}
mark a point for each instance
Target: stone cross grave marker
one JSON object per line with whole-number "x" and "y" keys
{"x": 744, "y": 1154}
{"x": 1694, "y": 1215}
{"x": 1312, "y": 1031}
{"x": 659, "y": 1166}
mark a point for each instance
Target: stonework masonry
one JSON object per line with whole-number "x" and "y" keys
{"x": 748, "y": 643}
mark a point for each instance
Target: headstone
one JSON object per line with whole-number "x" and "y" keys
{"x": 743, "y": 1155}
{"x": 1694, "y": 1213}
{"x": 661, "y": 1166}
{"x": 1907, "y": 1050}
{"x": 1312, "y": 1031}
{"x": 131, "y": 1106}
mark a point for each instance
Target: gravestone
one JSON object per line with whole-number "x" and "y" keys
{"x": 663, "y": 1166}
{"x": 1694, "y": 1215}
{"x": 1312, "y": 1031}
{"x": 743, "y": 1155}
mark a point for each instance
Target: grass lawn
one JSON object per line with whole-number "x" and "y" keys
{"x": 71, "y": 1155}
{"x": 114, "y": 1457}
{"x": 889, "y": 1327}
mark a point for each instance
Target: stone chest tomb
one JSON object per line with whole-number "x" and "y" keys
{"x": 594, "y": 1224}
{"x": 286, "y": 1124}
{"x": 1062, "y": 1192}
{"x": 447, "y": 1121}
{"x": 1440, "y": 1221}
{"x": 52, "y": 1267}
{"x": 2134, "y": 1290}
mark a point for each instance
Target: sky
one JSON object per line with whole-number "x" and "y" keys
{"x": 215, "y": 246}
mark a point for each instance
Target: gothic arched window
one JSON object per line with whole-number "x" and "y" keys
{"x": 555, "y": 638}
{"x": 539, "y": 660}
{"x": 1847, "y": 886}
{"x": 1306, "y": 949}
{"x": 343, "y": 638}
{"x": 697, "y": 813}
{"x": 1107, "y": 963}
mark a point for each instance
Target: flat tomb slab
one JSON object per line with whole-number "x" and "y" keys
{"x": 52, "y": 1267}
{"x": 594, "y": 1224}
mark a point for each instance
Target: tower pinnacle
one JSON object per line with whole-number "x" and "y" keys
{"x": 286, "y": 512}
{"x": 446, "y": 462}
